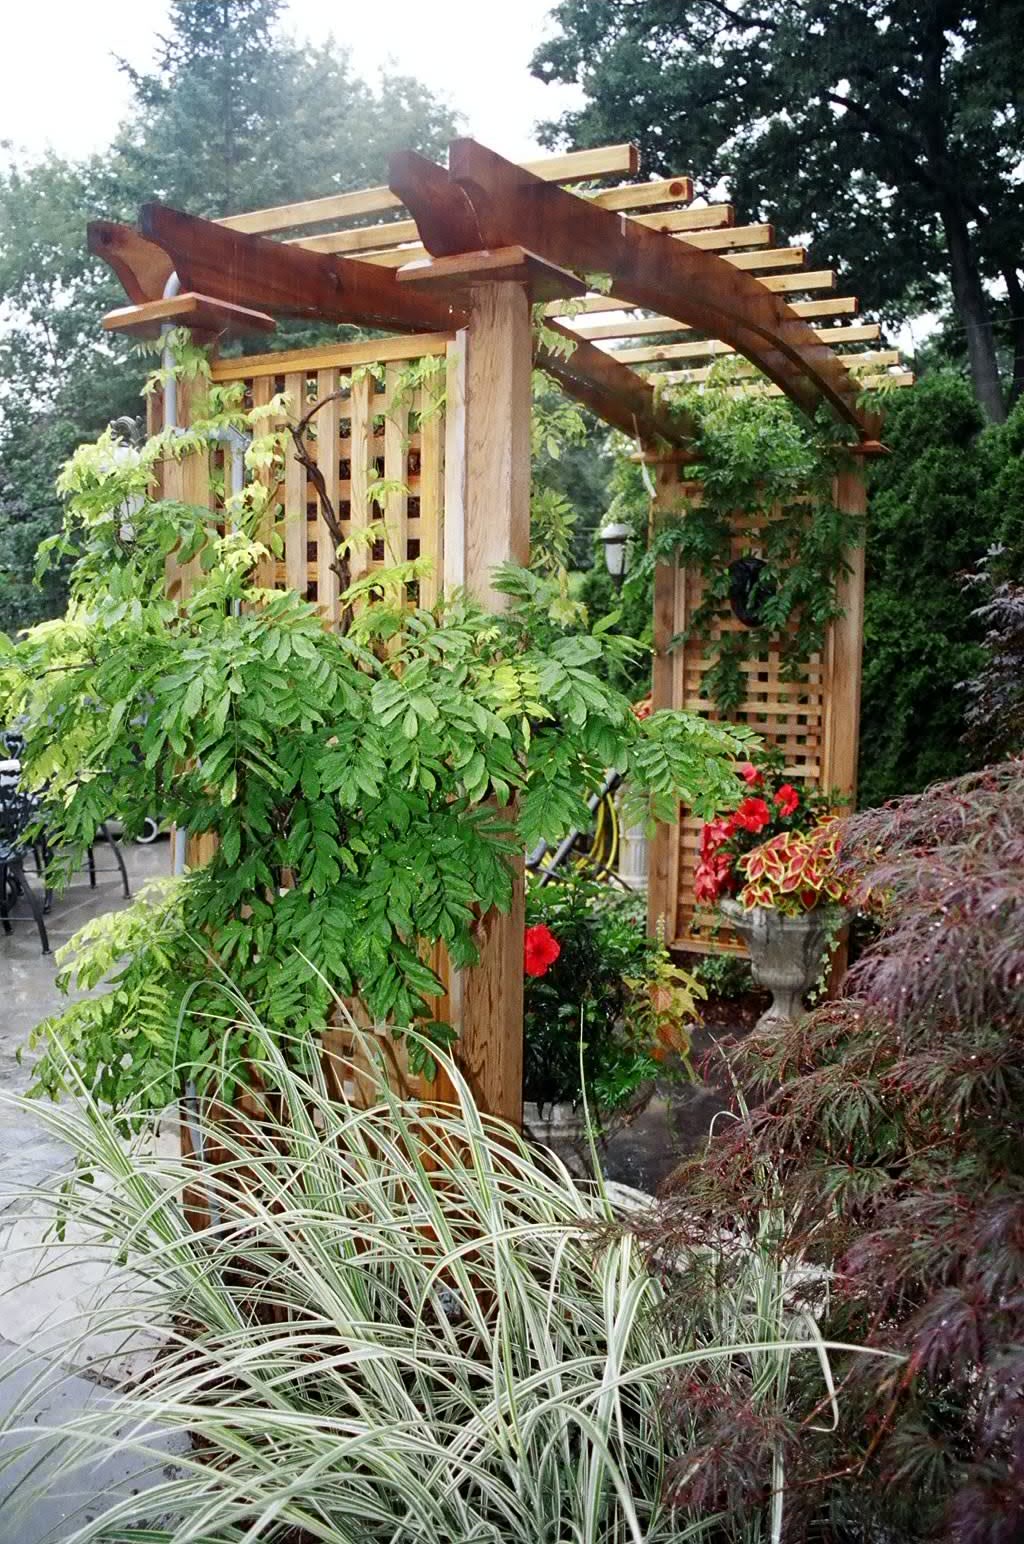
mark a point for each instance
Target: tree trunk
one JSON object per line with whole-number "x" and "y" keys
{"x": 1015, "y": 297}
{"x": 972, "y": 307}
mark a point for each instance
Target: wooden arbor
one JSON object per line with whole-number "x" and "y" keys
{"x": 484, "y": 240}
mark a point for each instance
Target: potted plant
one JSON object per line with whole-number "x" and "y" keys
{"x": 606, "y": 1011}
{"x": 771, "y": 868}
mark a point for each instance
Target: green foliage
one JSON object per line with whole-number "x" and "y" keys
{"x": 595, "y": 995}
{"x": 763, "y": 471}
{"x": 368, "y": 789}
{"x": 723, "y": 976}
{"x": 902, "y": 119}
{"x": 234, "y": 115}
{"x": 394, "y": 1329}
{"x": 930, "y": 523}
{"x": 630, "y": 503}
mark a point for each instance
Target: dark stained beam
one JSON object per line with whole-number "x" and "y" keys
{"x": 142, "y": 267}
{"x": 611, "y": 390}
{"x": 260, "y": 274}
{"x": 647, "y": 267}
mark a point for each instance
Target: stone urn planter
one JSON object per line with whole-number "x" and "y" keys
{"x": 786, "y": 953}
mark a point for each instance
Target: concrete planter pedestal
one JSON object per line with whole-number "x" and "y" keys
{"x": 786, "y": 953}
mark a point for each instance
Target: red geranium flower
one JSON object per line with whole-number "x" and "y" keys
{"x": 787, "y": 799}
{"x": 750, "y": 774}
{"x": 541, "y": 950}
{"x": 752, "y": 815}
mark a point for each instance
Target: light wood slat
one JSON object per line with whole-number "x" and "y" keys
{"x": 295, "y": 494}
{"x": 651, "y": 326}
{"x": 867, "y": 382}
{"x": 396, "y": 433}
{"x": 641, "y": 195}
{"x": 396, "y": 256}
{"x": 574, "y": 166}
{"x": 379, "y": 239}
{"x": 262, "y": 393}
{"x": 774, "y": 257}
{"x": 864, "y": 333}
{"x": 431, "y": 524}
{"x": 366, "y": 351}
{"x": 362, "y": 440}
{"x": 852, "y": 361}
{"x": 679, "y": 221}
{"x": 819, "y": 278}
{"x": 328, "y": 454}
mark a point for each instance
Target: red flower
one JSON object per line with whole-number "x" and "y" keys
{"x": 541, "y": 950}
{"x": 714, "y": 834}
{"x": 752, "y": 815}
{"x": 750, "y": 774}
{"x": 711, "y": 877}
{"x": 787, "y": 799}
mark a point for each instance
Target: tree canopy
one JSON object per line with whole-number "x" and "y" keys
{"x": 233, "y": 114}
{"x": 888, "y": 131}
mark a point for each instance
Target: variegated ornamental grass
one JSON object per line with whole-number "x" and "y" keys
{"x": 393, "y": 1327}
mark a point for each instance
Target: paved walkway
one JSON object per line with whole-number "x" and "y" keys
{"x": 39, "y": 1383}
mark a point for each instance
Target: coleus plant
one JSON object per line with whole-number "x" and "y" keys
{"x": 368, "y": 788}
{"x": 772, "y": 807}
{"x": 794, "y": 871}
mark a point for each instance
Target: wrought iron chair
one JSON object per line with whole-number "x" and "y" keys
{"x": 17, "y": 811}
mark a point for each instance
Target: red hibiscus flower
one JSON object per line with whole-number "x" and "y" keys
{"x": 787, "y": 799}
{"x": 750, "y": 774}
{"x": 752, "y": 815}
{"x": 541, "y": 950}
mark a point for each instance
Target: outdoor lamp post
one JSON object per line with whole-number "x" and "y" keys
{"x": 614, "y": 535}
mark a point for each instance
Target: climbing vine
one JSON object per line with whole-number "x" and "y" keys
{"x": 765, "y": 478}
{"x": 368, "y": 788}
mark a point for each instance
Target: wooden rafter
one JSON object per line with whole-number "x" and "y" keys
{"x": 574, "y": 166}
{"x": 647, "y": 267}
{"x": 652, "y": 326}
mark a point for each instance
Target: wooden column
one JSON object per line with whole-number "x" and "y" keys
{"x": 488, "y": 478}
{"x": 666, "y": 691}
{"x": 844, "y": 652}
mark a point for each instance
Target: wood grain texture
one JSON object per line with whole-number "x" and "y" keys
{"x": 496, "y": 495}
{"x": 574, "y": 166}
{"x": 652, "y": 269}
{"x": 844, "y": 651}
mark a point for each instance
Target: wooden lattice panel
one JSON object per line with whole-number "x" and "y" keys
{"x": 370, "y": 433}
{"x": 795, "y": 716}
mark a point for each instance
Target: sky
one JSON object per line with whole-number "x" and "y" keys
{"x": 62, "y": 88}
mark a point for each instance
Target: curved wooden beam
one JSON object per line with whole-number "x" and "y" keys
{"x": 647, "y": 267}
{"x": 611, "y": 390}
{"x": 254, "y": 272}
{"x": 142, "y": 267}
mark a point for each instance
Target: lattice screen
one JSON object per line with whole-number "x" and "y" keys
{"x": 380, "y": 448}
{"x": 382, "y": 434}
{"x": 792, "y": 716}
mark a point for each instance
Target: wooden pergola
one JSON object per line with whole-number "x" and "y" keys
{"x": 452, "y": 260}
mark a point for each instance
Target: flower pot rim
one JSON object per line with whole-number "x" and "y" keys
{"x": 735, "y": 911}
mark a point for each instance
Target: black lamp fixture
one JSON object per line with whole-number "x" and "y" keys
{"x": 749, "y": 588}
{"x": 614, "y": 536}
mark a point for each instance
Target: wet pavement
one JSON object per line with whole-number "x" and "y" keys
{"x": 42, "y": 1390}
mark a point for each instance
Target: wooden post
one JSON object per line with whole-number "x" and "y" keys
{"x": 843, "y": 679}
{"x": 666, "y": 692}
{"x": 488, "y": 478}
{"x": 844, "y": 652}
